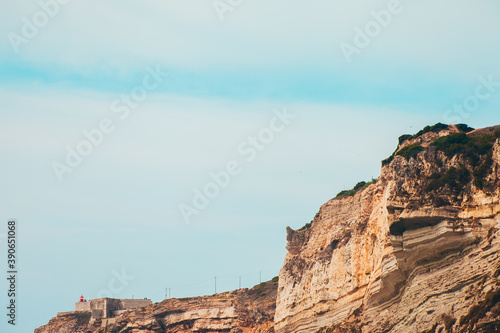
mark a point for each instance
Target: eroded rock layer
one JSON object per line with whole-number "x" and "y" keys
{"x": 242, "y": 311}
{"x": 416, "y": 250}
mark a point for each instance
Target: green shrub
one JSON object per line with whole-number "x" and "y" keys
{"x": 474, "y": 149}
{"x": 357, "y": 187}
{"x": 388, "y": 160}
{"x": 460, "y": 143}
{"x": 435, "y": 128}
{"x": 452, "y": 144}
{"x": 410, "y": 151}
{"x": 464, "y": 128}
{"x": 344, "y": 193}
{"x": 481, "y": 172}
{"x": 306, "y": 226}
{"x": 275, "y": 279}
{"x": 455, "y": 178}
{"x": 404, "y": 137}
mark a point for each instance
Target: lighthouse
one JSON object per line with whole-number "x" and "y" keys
{"x": 81, "y": 299}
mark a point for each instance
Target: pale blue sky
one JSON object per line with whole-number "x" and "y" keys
{"x": 119, "y": 208}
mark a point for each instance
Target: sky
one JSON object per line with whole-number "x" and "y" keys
{"x": 160, "y": 144}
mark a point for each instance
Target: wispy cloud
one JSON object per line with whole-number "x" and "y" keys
{"x": 189, "y": 37}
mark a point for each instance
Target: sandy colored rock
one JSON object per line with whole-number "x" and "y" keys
{"x": 242, "y": 311}
{"x": 417, "y": 250}
{"x": 390, "y": 259}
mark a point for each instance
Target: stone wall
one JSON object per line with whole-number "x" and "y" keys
{"x": 82, "y": 306}
{"x": 127, "y": 304}
{"x": 244, "y": 310}
{"x": 105, "y": 307}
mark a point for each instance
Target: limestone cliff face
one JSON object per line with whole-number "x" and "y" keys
{"x": 417, "y": 250}
{"x": 242, "y": 311}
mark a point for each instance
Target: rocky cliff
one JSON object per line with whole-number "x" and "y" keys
{"x": 242, "y": 311}
{"x": 417, "y": 250}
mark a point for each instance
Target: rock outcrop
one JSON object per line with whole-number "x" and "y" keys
{"x": 241, "y": 311}
{"x": 417, "y": 250}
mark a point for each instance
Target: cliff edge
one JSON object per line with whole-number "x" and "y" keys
{"x": 241, "y": 311}
{"x": 417, "y": 250}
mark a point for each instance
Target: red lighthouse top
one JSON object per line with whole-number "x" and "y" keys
{"x": 81, "y": 298}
